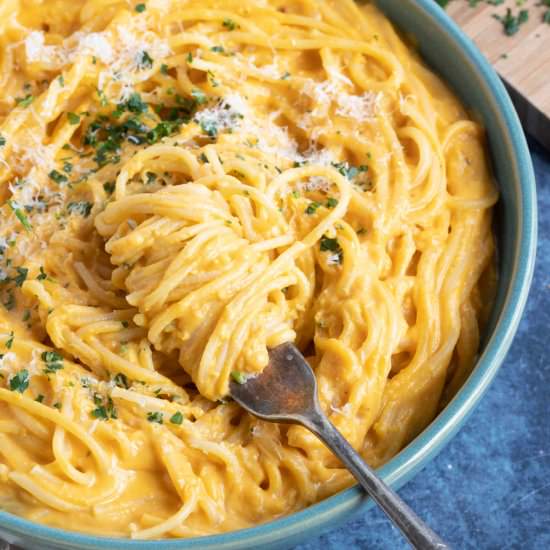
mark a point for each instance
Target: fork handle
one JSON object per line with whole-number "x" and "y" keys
{"x": 413, "y": 528}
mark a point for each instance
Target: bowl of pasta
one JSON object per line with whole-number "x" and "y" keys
{"x": 188, "y": 184}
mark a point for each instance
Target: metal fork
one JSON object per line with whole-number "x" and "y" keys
{"x": 286, "y": 392}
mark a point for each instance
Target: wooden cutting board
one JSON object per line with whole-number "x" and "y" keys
{"x": 522, "y": 60}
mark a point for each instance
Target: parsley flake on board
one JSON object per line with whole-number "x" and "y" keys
{"x": 510, "y": 22}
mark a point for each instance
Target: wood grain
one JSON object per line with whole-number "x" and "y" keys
{"x": 522, "y": 60}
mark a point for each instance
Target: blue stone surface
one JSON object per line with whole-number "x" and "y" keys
{"x": 490, "y": 487}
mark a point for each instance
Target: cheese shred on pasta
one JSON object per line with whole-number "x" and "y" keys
{"x": 189, "y": 183}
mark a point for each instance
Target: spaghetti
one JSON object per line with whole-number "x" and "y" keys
{"x": 187, "y": 184}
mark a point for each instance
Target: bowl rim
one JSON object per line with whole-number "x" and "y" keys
{"x": 430, "y": 441}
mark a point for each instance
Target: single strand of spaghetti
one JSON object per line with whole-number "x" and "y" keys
{"x": 62, "y": 459}
{"x": 31, "y": 423}
{"x": 58, "y": 503}
{"x": 171, "y": 523}
{"x": 56, "y": 417}
{"x": 188, "y": 162}
{"x": 105, "y": 296}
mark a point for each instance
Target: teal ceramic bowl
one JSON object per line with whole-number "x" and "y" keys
{"x": 457, "y": 60}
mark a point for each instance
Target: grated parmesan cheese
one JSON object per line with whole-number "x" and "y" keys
{"x": 316, "y": 183}
{"x": 126, "y": 68}
{"x": 234, "y": 113}
{"x": 96, "y": 44}
{"x": 361, "y": 108}
{"x": 37, "y": 51}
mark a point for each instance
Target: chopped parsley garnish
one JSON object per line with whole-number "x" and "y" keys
{"x": 510, "y": 22}
{"x": 20, "y": 215}
{"x": 105, "y": 408}
{"x": 73, "y": 118}
{"x": 109, "y": 187}
{"x": 164, "y": 68}
{"x": 9, "y": 304}
{"x": 42, "y": 275}
{"x": 238, "y": 376}
{"x": 58, "y": 177}
{"x": 135, "y": 104}
{"x": 61, "y": 80}
{"x": 57, "y": 406}
{"x": 332, "y": 202}
{"x": 67, "y": 167}
{"x": 24, "y": 101}
{"x": 20, "y": 381}
{"x": 103, "y": 101}
{"x": 144, "y": 60}
{"x": 140, "y": 8}
{"x": 350, "y": 172}
{"x": 82, "y": 208}
{"x": 39, "y": 398}
{"x": 312, "y": 208}
{"x": 22, "y": 273}
{"x": 9, "y": 342}
{"x": 209, "y": 127}
{"x": 107, "y": 136}
{"x": 121, "y": 381}
{"x": 155, "y": 417}
{"x": 199, "y": 96}
{"x": 328, "y": 244}
{"x": 176, "y": 418}
{"x": 217, "y": 49}
{"x": 229, "y": 24}
{"x": 2, "y": 141}
{"x": 53, "y": 361}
